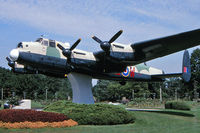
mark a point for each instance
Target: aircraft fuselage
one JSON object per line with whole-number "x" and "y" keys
{"x": 45, "y": 57}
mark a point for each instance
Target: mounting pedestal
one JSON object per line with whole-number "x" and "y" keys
{"x": 81, "y": 88}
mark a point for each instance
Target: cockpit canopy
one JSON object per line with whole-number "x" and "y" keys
{"x": 46, "y": 42}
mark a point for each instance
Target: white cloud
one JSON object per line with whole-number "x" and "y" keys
{"x": 175, "y": 13}
{"x": 84, "y": 18}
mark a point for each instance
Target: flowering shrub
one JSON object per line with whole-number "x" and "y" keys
{"x": 17, "y": 115}
{"x": 26, "y": 124}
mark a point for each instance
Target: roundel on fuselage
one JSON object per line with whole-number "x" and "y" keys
{"x": 126, "y": 72}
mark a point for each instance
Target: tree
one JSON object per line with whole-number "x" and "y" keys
{"x": 195, "y": 65}
{"x": 106, "y": 90}
{"x": 100, "y": 90}
{"x": 195, "y": 70}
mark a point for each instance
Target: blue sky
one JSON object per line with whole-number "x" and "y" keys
{"x": 68, "y": 20}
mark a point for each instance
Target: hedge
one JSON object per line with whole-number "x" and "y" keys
{"x": 179, "y": 105}
{"x": 92, "y": 114}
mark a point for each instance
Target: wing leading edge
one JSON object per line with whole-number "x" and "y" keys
{"x": 160, "y": 47}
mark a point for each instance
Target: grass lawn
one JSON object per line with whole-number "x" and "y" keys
{"x": 146, "y": 122}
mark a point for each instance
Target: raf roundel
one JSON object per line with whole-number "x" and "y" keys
{"x": 126, "y": 73}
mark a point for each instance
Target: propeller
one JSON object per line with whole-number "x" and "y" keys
{"x": 8, "y": 59}
{"x": 67, "y": 52}
{"x": 105, "y": 45}
{"x": 10, "y": 62}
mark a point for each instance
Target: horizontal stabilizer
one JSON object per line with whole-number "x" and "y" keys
{"x": 186, "y": 70}
{"x": 170, "y": 75}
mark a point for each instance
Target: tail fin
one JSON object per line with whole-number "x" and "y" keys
{"x": 186, "y": 67}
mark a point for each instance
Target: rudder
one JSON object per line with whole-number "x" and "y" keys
{"x": 186, "y": 67}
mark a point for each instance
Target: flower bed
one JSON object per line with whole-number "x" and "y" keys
{"x": 26, "y": 124}
{"x": 12, "y": 118}
{"x": 19, "y": 115}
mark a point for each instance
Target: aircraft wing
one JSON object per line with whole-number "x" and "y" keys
{"x": 148, "y": 50}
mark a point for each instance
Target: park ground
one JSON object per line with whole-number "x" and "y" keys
{"x": 165, "y": 121}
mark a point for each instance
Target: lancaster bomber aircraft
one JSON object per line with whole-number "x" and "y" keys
{"x": 114, "y": 62}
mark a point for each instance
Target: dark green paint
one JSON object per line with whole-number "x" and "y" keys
{"x": 52, "y": 52}
{"x": 141, "y": 67}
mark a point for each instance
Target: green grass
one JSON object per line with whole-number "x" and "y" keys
{"x": 146, "y": 122}
{"x": 145, "y": 103}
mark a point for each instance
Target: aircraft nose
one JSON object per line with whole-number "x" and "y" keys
{"x": 14, "y": 54}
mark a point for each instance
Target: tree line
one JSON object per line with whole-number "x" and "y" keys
{"x": 34, "y": 86}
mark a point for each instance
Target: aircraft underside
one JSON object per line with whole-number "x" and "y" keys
{"x": 53, "y": 66}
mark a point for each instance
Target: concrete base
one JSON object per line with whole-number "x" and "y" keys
{"x": 24, "y": 104}
{"x": 81, "y": 88}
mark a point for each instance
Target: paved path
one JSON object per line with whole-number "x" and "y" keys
{"x": 133, "y": 109}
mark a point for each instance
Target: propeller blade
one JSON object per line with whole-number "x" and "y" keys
{"x": 8, "y": 59}
{"x": 96, "y": 39}
{"x": 60, "y": 47}
{"x": 75, "y": 44}
{"x": 10, "y": 62}
{"x": 115, "y": 36}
